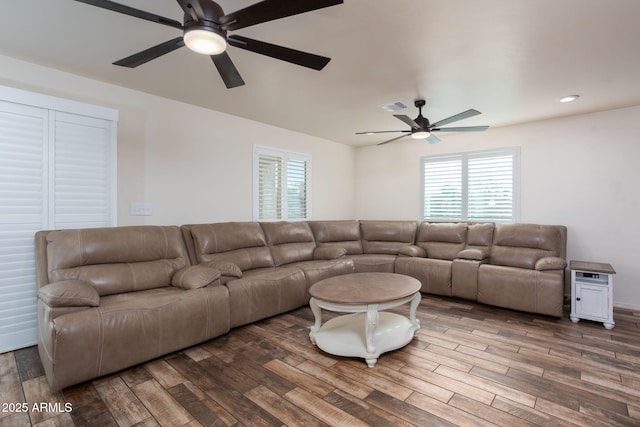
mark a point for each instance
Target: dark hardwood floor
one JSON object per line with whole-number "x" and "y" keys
{"x": 470, "y": 364}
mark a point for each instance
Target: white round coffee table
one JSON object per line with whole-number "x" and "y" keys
{"x": 367, "y": 332}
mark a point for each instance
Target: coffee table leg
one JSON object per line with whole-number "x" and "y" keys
{"x": 415, "y": 301}
{"x": 317, "y": 314}
{"x": 371, "y": 321}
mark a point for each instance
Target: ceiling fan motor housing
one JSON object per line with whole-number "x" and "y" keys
{"x": 212, "y": 12}
{"x": 422, "y": 122}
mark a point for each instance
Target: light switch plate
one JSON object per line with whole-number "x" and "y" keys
{"x": 140, "y": 209}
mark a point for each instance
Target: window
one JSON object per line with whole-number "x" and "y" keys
{"x": 478, "y": 186}
{"x": 281, "y": 185}
{"x": 57, "y": 170}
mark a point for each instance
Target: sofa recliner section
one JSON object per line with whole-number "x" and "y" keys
{"x": 440, "y": 244}
{"x": 107, "y": 300}
{"x": 525, "y": 270}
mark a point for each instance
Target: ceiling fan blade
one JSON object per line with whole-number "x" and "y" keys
{"x": 456, "y": 117}
{"x": 393, "y": 139}
{"x": 117, "y": 7}
{"x": 227, "y": 70}
{"x": 293, "y": 56}
{"x": 193, "y": 9}
{"x": 269, "y": 10}
{"x": 408, "y": 120}
{"x": 152, "y": 53}
{"x": 461, "y": 129}
{"x": 381, "y": 131}
{"x": 432, "y": 139}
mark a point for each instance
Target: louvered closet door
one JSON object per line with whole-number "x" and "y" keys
{"x": 57, "y": 170}
{"x": 82, "y": 173}
{"x": 22, "y": 213}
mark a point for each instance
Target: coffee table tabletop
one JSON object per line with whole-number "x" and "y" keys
{"x": 364, "y": 288}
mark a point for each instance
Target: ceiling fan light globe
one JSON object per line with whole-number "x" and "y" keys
{"x": 205, "y": 42}
{"x": 420, "y": 135}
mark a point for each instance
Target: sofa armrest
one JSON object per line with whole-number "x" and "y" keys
{"x": 550, "y": 263}
{"x": 227, "y": 268}
{"x": 69, "y": 293}
{"x": 195, "y": 276}
{"x": 474, "y": 254}
{"x": 412, "y": 251}
{"x": 328, "y": 252}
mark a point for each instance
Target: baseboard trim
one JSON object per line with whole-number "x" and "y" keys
{"x": 626, "y": 306}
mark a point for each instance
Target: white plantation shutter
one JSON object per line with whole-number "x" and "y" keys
{"x": 479, "y": 186}
{"x": 270, "y": 187}
{"x": 22, "y": 209}
{"x": 57, "y": 170}
{"x": 442, "y": 193}
{"x": 297, "y": 179}
{"x": 83, "y": 172}
{"x": 281, "y": 185}
{"x": 491, "y": 187}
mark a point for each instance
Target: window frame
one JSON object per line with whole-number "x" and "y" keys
{"x": 285, "y": 156}
{"x": 464, "y": 157}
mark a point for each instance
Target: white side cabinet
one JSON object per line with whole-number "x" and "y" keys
{"x": 592, "y": 292}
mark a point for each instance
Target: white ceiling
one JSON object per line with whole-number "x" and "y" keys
{"x": 510, "y": 59}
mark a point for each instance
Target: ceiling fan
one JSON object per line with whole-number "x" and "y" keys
{"x": 205, "y": 29}
{"x": 421, "y": 128}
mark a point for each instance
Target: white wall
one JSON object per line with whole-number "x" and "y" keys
{"x": 192, "y": 164}
{"x": 581, "y": 171}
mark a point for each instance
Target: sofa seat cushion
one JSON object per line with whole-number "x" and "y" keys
{"x": 263, "y": 293}
{"x": 130, "y": 328}
{"x": 367, "y": 263}
{"x": 521, "y": 289}
{"x": 433, "y": 274}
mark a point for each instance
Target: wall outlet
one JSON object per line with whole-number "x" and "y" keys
{"x": 140, "y": 209}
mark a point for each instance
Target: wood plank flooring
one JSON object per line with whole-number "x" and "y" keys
{"x": 470, "y": 365}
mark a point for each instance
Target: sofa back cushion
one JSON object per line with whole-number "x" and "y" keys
{"x": 387, "y": 237}
{"x": 116, "y": 260}
{"x": 344, "y": 234}
{"x": 442, "y": 240}
{"x": 521, "y": 245}
{"x": 289, "y": 241}
{"x": 242, "y": 243}
{"x": 480, "y": 235}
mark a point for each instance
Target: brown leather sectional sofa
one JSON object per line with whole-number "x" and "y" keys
{"x": 115, "y": 297}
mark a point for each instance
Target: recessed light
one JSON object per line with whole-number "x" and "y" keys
{"x": 569, "y": 98}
